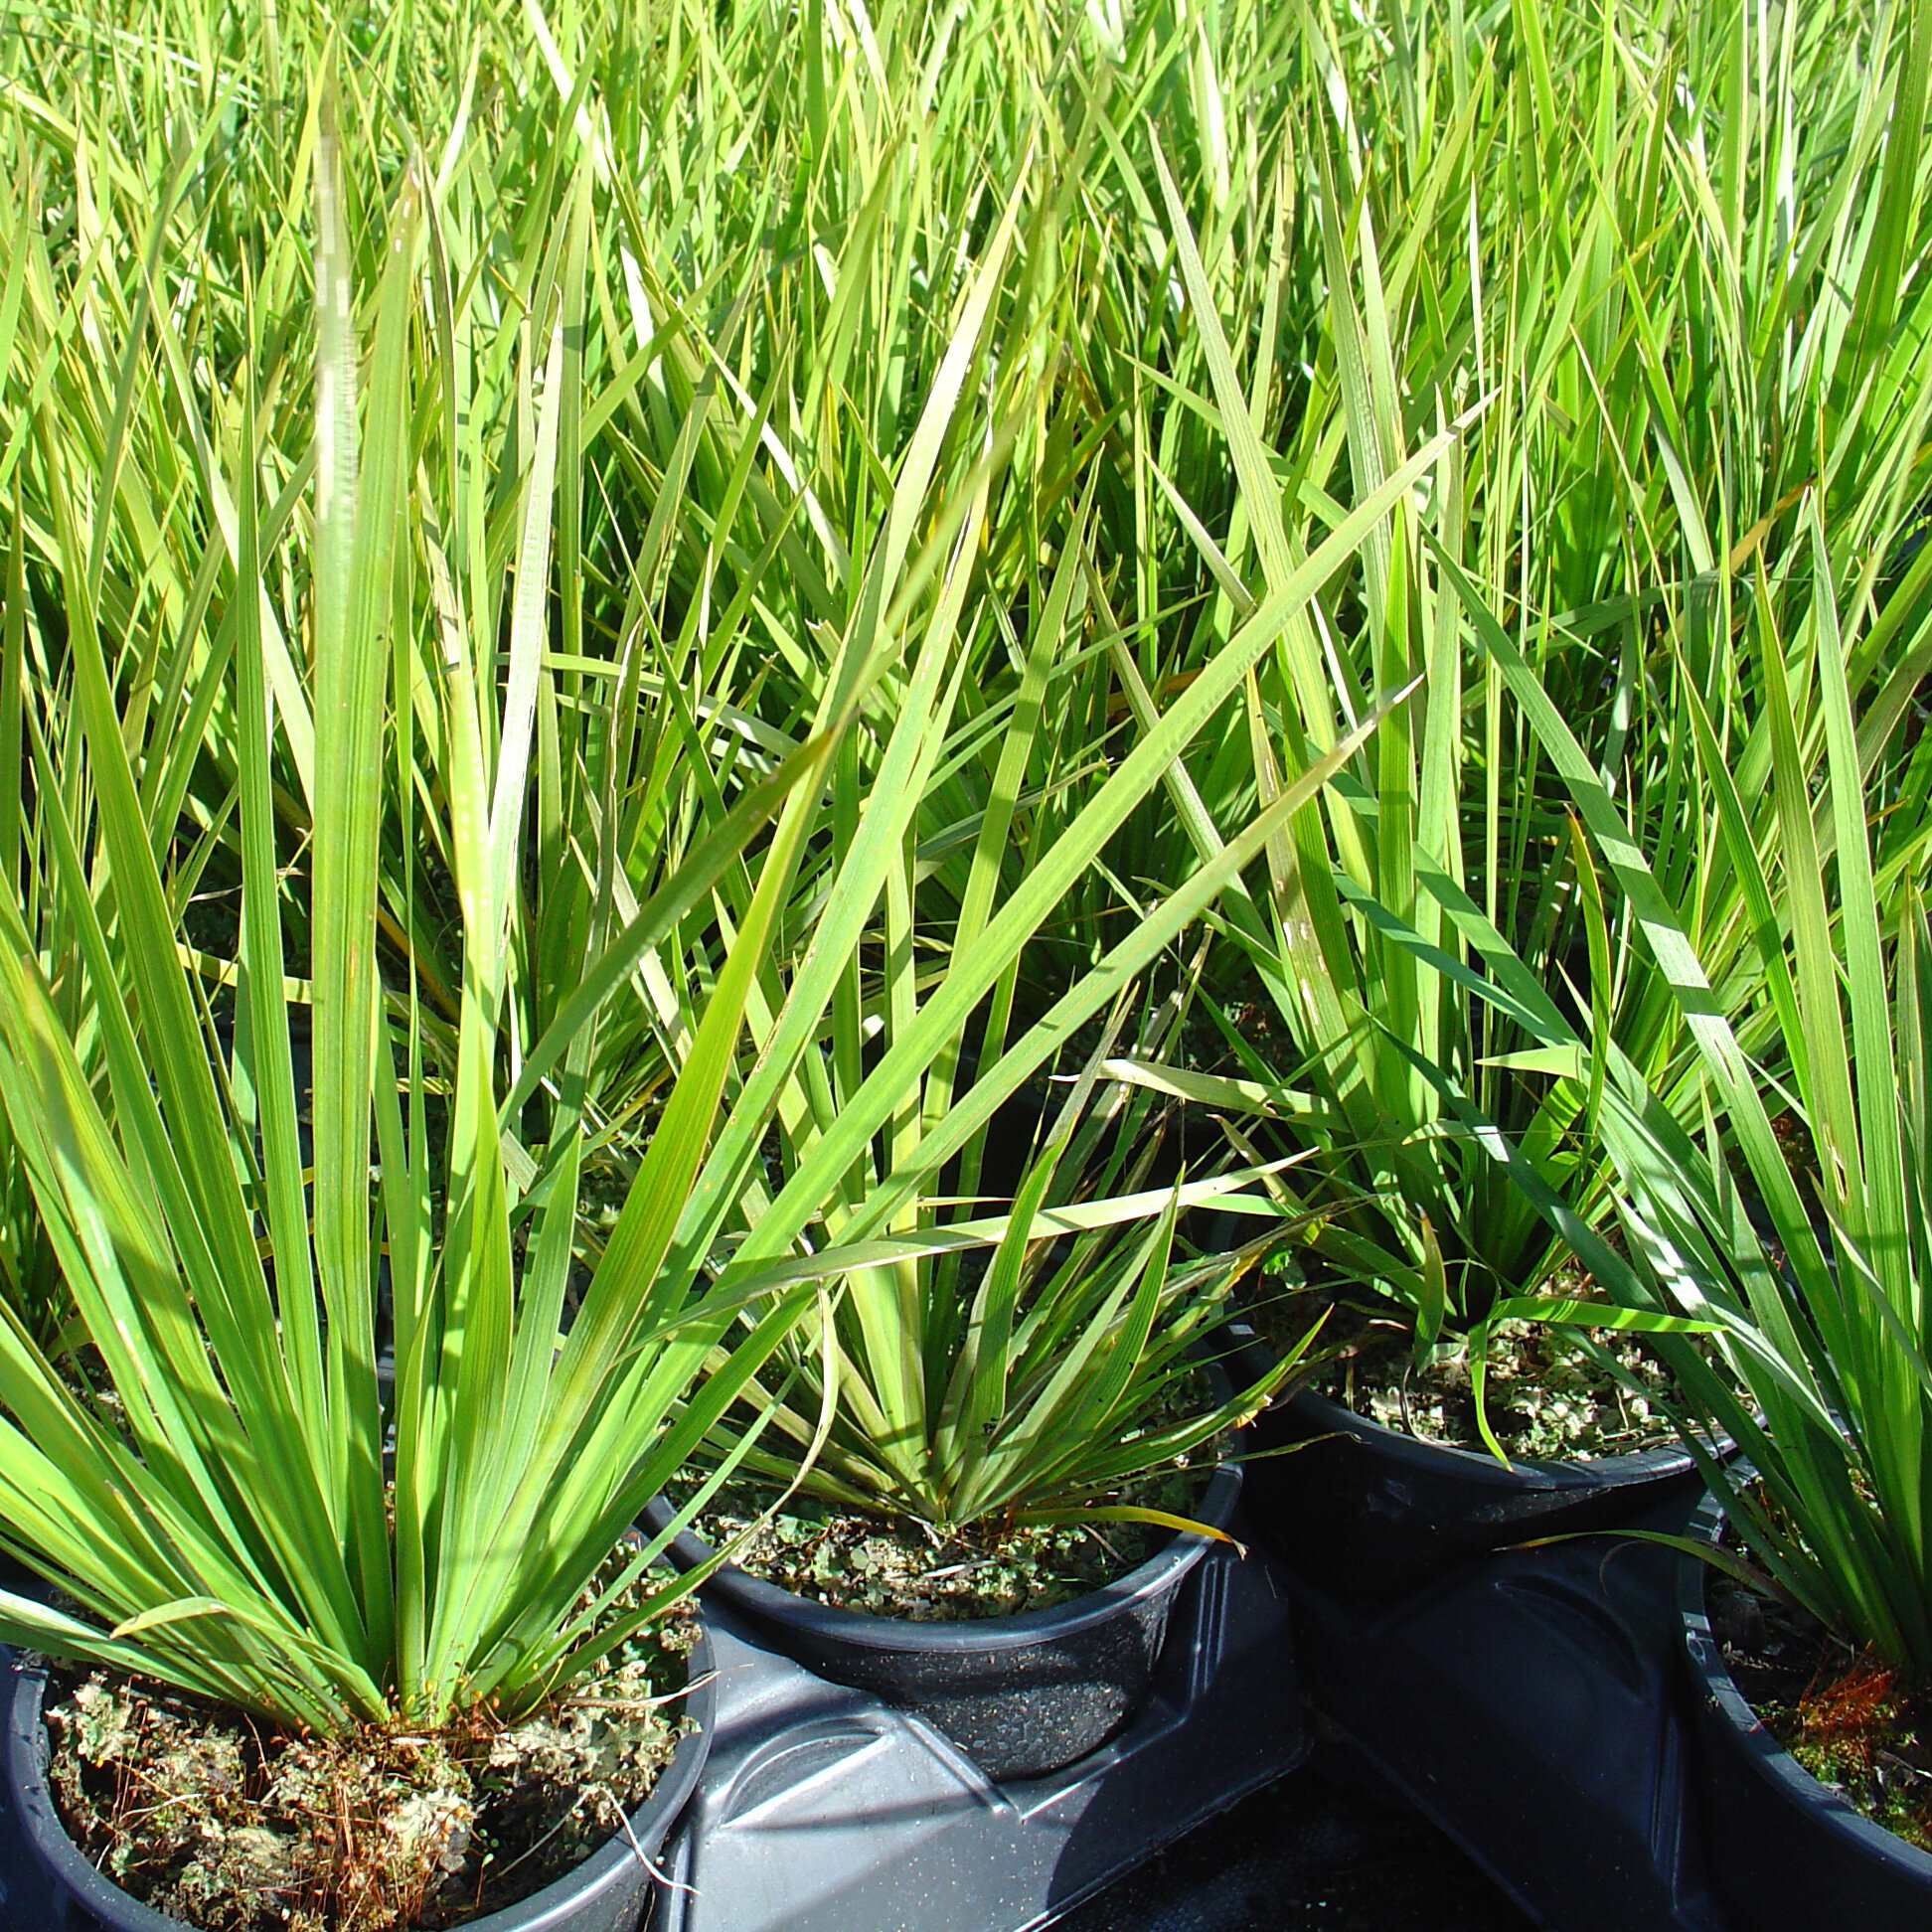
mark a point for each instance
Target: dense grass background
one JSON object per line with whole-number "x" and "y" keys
{"x": 1113, "y": 410}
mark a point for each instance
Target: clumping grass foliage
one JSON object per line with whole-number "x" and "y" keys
{"x": 324, "y": 1451}
{"x": 623, "y": 628}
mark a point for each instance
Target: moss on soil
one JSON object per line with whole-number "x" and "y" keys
{"x": 899, "y": 1567}
{"x": 1549, "y": 1394}
{"x": 209, "y": 1815}
{"x": 1869, "y": 1737}
{"x": 1547, "y": 1398}
{"x": 1855, "y": 1724}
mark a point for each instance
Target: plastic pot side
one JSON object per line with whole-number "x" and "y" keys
{"x": 1786, "y": 1853}
{"x": 823, "y": 1810}
{"x": 1532, "y": 1703}
{"x": 607, "y": 1892}
{"x": 1368, "y": 1514}
{"x": 1024, "y": 1695}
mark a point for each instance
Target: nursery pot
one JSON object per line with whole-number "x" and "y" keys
{"x": 1786, "y": 1852}
{"x": 1368, "y": 1514}
{"x": 611, "y": 1891}
{"x": 1021, "y": 1694}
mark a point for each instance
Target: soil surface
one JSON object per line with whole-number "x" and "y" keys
{"x": 227, "y": 1824}
{"x": 899, "y": 1567}
{"x": 1545, "y": 1397}
{"x": 1550, "y": 1392}
{"x": 1852, "y": 1721}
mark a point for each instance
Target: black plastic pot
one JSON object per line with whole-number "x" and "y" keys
{"x": 822, "y": 1810}
{"x": 1786, "y": 1852}
{"x": 1530, "y": 1702}
{"x": 608, "y": 1892}
{"x": 1022, "y": 1695}
{"x": 1368, "y": 1514}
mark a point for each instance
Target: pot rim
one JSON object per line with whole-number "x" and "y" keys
{"x": 1570, "y": 1472}
{"x": 649, "y": 1826}
{"x": 1726, "y": 1704}
{"x": 1016, "y": 1630}
{"x": 1581, "y": 1474}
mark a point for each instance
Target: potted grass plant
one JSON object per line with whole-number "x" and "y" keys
{"x": 343, "y": 1466}
{"x": 357, "y": 1449}
{"x": 1356, "y": 955}
{"x": 1807, "y": 1252}
{"x": 983, "y": 1380}
{"x": 1433, "y": 907}
{"x": 1018, "y": 1441}
{"x": 982, "y": 1370}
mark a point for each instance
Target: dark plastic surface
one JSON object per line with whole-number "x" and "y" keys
{"x": 1021, "y": 1694}
{"x": 1789, "y": 1855}
{"x": 1532, "y": 1705}
{"x": 1368, "y": 1514}
{"x": 823, "y": 1810}
{"x": 1323, "y": 1849}
{"x": 47, "y": 1886}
